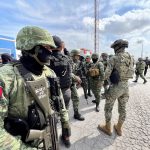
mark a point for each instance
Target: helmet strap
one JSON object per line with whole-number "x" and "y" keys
{"x": 35, "y": 55}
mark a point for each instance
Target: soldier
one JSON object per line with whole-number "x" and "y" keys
{"x": 105, "y": 63}
{"x": 6, "y": 58}
{"x": 61, "y": 65}
{"x": 121, "y": 67}
{"x": 140, "y": 66}
{"x": 75, "y": 54}
{"x": 82, "y": 73}
{"x": 30, "y": 97}
{"x": 147, "y": 62}
{"x": 96, "y": 73}
{"x": 87, "y": 66}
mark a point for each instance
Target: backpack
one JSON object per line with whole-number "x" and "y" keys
{"x": 94, "y": 71}
{"x": 62, "y": 67}
{"x": 124, "y": 65}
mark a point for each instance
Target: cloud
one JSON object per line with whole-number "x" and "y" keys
{"x": 116, "y": 24}
{"x": 73, "y": 20}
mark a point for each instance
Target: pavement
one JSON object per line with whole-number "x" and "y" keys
{"x": 136, "y": 128}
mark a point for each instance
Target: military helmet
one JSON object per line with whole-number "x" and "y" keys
{"x": 120, "y": 43}
{"x": 75, "y": 52}
{"x": 140, "y": 59}
{"x": 57, "y": 41}
{"x": 30, "y": 36}
{"x": 104, "y": 54}
{"x": 95, "y": 55}
{"x": 87, "y": 56}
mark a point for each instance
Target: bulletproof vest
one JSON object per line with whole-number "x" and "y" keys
{"x": 124, "y": 65}
{"x": 62, "y": 67}
{"x": 21, "y": 99}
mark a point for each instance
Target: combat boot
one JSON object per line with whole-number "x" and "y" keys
{"x": 93, "y": 101}
{"x": 78, "y": 116}
{"x": 118, "y": 128}
{"x": 106, "y": 128}
{"x": 97, "y": 108}
{"x": 66, "y": 141}
{"x": 144, "y": 81}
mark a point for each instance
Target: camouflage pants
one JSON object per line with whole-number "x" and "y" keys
{"x": 96, "y": 85}
{"x": 141, "y": 75}
{"x": 67, "y": 96}
{"x": 89, "y": 86}
{"x": 120, "y": 92}
{"x": 106, "y": 84}
{"x": 75, "y": 97}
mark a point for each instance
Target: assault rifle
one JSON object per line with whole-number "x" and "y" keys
{"x": 49, "y": 134}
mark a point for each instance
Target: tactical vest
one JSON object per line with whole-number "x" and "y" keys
{"x": 94, "y": 71}
{"x": 62, "y": 67}
{"x": 124, "y": 65}
{"x": 33, "y": 111}
{"x": 21, "y": 98}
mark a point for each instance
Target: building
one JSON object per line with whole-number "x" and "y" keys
{"x": 7, "y": 45}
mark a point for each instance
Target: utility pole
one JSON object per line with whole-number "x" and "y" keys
{"x": 141, "y": 42}
{"x": 96, "y": 26}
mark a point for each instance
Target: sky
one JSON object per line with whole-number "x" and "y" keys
{"x": 73, "y": 22}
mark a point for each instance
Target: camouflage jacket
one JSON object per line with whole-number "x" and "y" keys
{"x": 140, "y": 65}
{"x": 100, "y": 66}
{"x": 121, "y": 62}
{"x": 105, "y": 63}
{"x": 14, "y": 101}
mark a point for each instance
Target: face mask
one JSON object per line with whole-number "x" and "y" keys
{"x": 43, "y": 55}
{"x": 94, "y": 60}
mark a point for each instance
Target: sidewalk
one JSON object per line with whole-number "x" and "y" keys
{"x": 136, "y": 129}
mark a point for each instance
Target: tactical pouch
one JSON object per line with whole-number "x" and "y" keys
{"x": 36, "y": 118}
{"x": 54, "y": 90}
{"x": 115, "y": 77}
{"x": 94, "y": 72}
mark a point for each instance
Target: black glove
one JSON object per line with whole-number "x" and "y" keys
{"x": 16, "y": 126}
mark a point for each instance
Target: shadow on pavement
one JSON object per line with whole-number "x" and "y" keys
{"x": 95, "y": 141}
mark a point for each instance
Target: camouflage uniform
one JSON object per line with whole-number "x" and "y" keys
{"x": 140, "y": 66}
{"x": 105, "y": 63}
{"x": 87, "y": 66}
{"x": 74, "y": 93}
{"x": 147, "y": 62}
{"x": 15, "y": 98}
{"x": 96, "y": 82}
{"x": 118, "y": 91}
